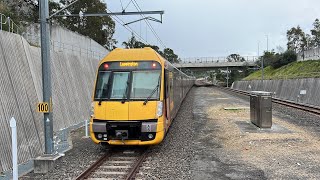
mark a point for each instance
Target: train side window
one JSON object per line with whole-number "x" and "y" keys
{"x": 166, "y": 83}
{"x": 171, "y": 83}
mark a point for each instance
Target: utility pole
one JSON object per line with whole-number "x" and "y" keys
{"x": 46, "y": 74}
{"x": 262, "y": 70}
{"x": 258, "y": 48}
{"x": 227, "y": 77}
{"x": 267, "y": 43}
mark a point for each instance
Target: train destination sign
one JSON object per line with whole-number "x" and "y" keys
{"x": 130, "y": 65}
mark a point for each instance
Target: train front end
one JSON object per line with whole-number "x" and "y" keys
{"x": 128, "y": 106}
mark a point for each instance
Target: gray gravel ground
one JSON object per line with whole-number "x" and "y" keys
{"x": 309, "y": 121}
{"x": 189, "y": 153}
{"x": 200, "y": 146}
{"x": 75, "y": 161}
{"x": 172, "y": 158}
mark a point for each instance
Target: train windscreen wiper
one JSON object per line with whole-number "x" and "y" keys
{"x": 104, "y": 91}
{"x": 153, "y": 91}
{"x": 125, "y": 93}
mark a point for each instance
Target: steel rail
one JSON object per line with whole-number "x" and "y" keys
{"x": 136, "y": 166}
{"x": 303, "y": 107}
{"x": 85, "y": 174}
{"x": 131, "y": 174}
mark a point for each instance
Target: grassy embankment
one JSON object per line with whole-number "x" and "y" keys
{"x": 295, "y": 70}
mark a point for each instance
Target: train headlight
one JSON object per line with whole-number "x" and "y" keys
{"x": 150, "y": 136}
{"x": 92, "y": 109}
{"x": 159, "y": 109}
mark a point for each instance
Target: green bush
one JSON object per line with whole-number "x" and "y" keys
{"x": 284, "y": 59}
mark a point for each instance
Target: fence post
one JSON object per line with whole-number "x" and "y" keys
{"x": 1, "y": 22}
{"x": 13, "y": 126}
{"x": 9, "y": 23}
{"x": 86, "y": 126}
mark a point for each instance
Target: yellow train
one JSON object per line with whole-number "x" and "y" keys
{"x": 137, "y": 94}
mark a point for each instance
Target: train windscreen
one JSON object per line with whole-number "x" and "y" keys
{"x": 124, "y": 80}
{"x": 145, "y": 84}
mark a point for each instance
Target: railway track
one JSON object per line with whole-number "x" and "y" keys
{"x": 303, "y": 107}
{"x": 116, "y": 164}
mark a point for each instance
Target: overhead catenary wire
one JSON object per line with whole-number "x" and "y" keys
{"x": 127, "y": 5}
{"x": 148, "y": 23}
{"x": 120, "y": 21}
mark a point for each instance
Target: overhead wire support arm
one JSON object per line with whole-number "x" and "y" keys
{"x": 145, "y": 18}
{"x": 55, "y": 14}
{"x": 112, "y": 14}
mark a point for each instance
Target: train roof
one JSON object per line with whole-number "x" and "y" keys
{"x": 141, "y": 54}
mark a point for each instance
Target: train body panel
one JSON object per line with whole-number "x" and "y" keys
{"x": 137, "y": 94}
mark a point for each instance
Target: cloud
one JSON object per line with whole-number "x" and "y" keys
{"x": 219, "y": 28}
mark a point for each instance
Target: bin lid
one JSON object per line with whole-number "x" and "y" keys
{"x": 261, "y": 93}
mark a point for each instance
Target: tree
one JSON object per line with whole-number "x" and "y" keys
{"x": 133, "y": 43}
{"x": 268, "y": 58}
{"x": 26, "y": 11}
{"x": 167, "y": 53}
{"x": 100, "y": 29}
{"x": 170, "y": 55}
{"x": 315, "y": 32}
{"x": 284, "y": 59}
{"x": 298, "y": 41}
{"x": 235, "y": 58}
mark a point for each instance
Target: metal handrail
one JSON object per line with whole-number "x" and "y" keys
{"x": 2, "y": 17}
{"x": 15, "y": 25}
{"x": 12, "y": 26}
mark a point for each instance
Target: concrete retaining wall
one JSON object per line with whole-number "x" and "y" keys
{"x": 304, "y": 91}
{"x": 312, "y": 54}
{"x": 64, "y": 40}
{"x": 73, "y": 76}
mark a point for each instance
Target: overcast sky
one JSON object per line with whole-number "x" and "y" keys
{"x": 205, "y": 28}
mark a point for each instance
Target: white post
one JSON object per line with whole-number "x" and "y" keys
{"x": 13, "y": 126}
{"x": 86, "y": 126}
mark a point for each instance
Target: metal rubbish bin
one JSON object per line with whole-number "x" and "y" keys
{"x": 261, "y": 109}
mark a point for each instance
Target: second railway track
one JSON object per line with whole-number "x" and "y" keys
{"x": 303, "y": 107}
{"x": 116, "y": 164}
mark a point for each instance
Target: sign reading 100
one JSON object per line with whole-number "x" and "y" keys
{"x": 43, "y": 107}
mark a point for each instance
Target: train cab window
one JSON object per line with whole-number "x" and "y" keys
{"x": 145, "y": 84}
{"x": 119, "y": 85}
{"x": 102, "y": 85}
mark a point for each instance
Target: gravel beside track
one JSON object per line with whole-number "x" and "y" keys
{"x": 168, "y": 160}
{"x": 205, "y": 142}
{"x": 83, "y": 153}
{"x": 309, "y": 121}
{"x": 172, "y": 158}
